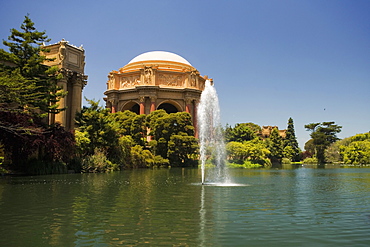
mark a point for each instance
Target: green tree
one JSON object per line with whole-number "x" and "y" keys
{"x": 254, "y": 151}
{"x": 290, "y": 140}
{"x": 332, "y": 153}
{"x": 143, "y": 158}
{"x": 258, "y": 152}
{"x": 288, "y": 153}
{"x": 241, "y": 132}
{"x": 356, "y": 153}
{"x": 237, "y": 152}
{"x": 139, "y": 130}
{"x": 98, "y": 131}
{"x": 28, "y": 92}
{"x": 23, "y": 67}
{"x": 183, "y": 150}
{"x": 123, "y": 120}
{"x": 275, "y": 146}
{"x": 310, "y": 147}
{"x": 177, "y": 126}
{"x": 350, "y": 150}
{"x": 323, "y": 134}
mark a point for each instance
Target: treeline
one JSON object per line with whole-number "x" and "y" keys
{"x": 354, "y": 150}
{"x": 108, "y": 141}
{"x": 105, "y": 141}
{"x": 247, "y": 148}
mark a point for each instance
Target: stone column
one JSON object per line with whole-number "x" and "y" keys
{"x": 195, "y": 119}
{"x": 152, "y": 103}
{"x": 188, "y": 105}
{"x": 114, "y": 105}
{"x": 142, "y": 105}
{"x": 61, "y": 117}
{"x": 76, "y": 100}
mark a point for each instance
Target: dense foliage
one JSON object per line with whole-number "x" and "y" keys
{"x": 26, "y": 83}
{"x": 122, "y": 138}
{"x": 242, "y": 132}
{"x": 323, "y": 134}
{"x": 291, "y": 148}
{"x": 28, "y": 93}
{"x": 247, "y": 148}
{"x": 353, "y": 150}
{"x": 106, "y": 141}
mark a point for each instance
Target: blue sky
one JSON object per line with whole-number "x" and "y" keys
{"x": 270, "y": 60}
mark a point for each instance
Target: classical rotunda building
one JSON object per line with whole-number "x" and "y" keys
{"x": 155, "y": 80}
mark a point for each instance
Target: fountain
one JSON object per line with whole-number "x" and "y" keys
{"x": 211, "y": 139}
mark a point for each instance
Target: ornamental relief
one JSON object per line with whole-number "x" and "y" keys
{"x": 193, "y": 79}
{"x": 129, "y": 81}
{"x": 148, "y": 73}
{"x": 170, "y": 80}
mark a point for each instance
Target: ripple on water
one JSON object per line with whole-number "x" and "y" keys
{"x": 222, "y": 184}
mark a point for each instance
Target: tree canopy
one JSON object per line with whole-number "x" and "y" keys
{"x": 25, "y": 82}
{"x": 242, "y": 132}
{"x": 28, "y": 93}
{"x": 323, "y": 134}
{"x": 291, "y": 143}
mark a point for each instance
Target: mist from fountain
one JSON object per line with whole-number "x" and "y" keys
{"x": 211, "y": 140}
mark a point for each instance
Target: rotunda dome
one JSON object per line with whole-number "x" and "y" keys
{"x": 159, "y": 56}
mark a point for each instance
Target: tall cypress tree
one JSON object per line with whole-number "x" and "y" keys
{"x": 276, "y": 146}
{"x": 291, "y": 140}
{"x": 28, "y": 92}
{"x": 22, "y": 67}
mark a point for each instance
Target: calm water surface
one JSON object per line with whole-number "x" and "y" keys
{"x": 168, "y": 207}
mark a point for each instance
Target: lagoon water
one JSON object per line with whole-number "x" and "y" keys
{"x": 303, "y": 206}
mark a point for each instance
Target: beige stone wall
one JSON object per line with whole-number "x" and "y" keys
{"x": 266, "y": 131}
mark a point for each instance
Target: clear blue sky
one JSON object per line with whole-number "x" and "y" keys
{"x": 270, "y": 60}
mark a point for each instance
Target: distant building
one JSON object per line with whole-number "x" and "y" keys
{"x": 71, "y": 63}
{"x": 155, "y": 80}
{"x": 266, "y": 131}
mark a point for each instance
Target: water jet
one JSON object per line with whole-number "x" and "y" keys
{"x": 211, "y": 140}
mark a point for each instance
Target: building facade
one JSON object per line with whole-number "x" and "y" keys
{"x": 266, "y": 131}
{"x": 155, "y": 80}
{"x": 71, "y": 63}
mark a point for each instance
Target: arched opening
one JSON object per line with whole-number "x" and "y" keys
{"x": 132, "y": 106}
{"x": 135, "y": 108}
{"x": 169, "y": 108}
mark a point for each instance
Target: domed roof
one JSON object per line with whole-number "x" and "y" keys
{"x": 159, "y": 56}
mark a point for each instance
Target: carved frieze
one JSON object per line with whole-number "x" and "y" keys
{"x": 129, "y": 81}
{"x": 171, "y": 80}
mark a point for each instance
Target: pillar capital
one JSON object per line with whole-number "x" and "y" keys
{"x": 189, "y": 100}
{"x": 153, "y": 98}
{"x": 141, "y": 99}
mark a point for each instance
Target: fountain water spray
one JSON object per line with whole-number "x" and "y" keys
{"x": 210, "y": 135}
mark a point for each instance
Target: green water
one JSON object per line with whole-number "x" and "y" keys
{"x": 168, "y": 207}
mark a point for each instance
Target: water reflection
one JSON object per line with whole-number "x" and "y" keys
{"x": 286, "y": 207}
{"x": 202, "y": 219}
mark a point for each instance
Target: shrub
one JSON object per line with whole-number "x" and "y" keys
{"x": 286, "y": 161}
{"x": 40, "y": 167}
{"x": 312, "y": 160}
{"x": 246, "y": 164}
{"x": 98, "y": 162}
